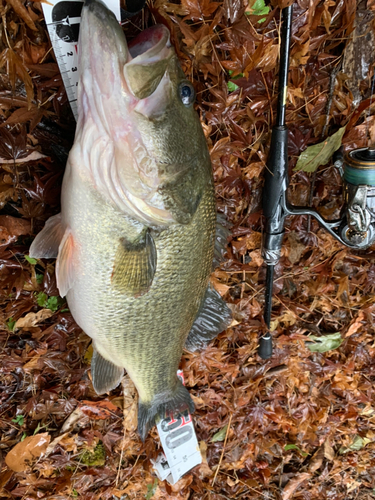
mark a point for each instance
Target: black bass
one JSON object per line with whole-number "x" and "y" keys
{"x": 135, "y": 237}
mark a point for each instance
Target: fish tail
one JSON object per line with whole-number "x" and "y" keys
{"x": 161, "y": 405}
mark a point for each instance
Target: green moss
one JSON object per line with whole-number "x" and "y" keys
{"x": 94, "y": 458}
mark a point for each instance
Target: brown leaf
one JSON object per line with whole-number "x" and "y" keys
{"x": 32, "y": 156}
{"x": 23, "y": 115}
{"x": 130, "y": 408}
{"x": 24, "y": 453}
{"x": 15, "y": 67}
{"x": 99, "y": 410}
{"x": 329, "y": 452}
{"x": 20, "y": 9}
{"x": 33, "y": 319}
{"x": 294, "y": 483}
{"x": 356, "y": 324}
{"x": 15, "y": 227}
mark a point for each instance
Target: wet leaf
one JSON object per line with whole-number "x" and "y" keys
{"x": 19, "y": 420}
{"x": 232, "y": 86}
{"x": 33, "y": 319}
{"x": 98, "y": 410}
{"x": 295, "y": 447}
{"x": 220, "y": 436}
{"x": 27, "y": 451}
{"x": 10, "y": 324}
{"x": 319, "y": 154}
{"x": 23, "y": 13}
{"x": 325, "y": 343}
{"x": 31, "y": 260}
{"x": 257, "y": 8}
{"x": 357, "y": 444}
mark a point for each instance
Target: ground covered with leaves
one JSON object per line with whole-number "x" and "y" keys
{"x": 300, "y": 425}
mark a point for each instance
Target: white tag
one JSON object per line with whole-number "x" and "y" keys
{"x": 63, "y": 20}
{"x": 180, "y": 445}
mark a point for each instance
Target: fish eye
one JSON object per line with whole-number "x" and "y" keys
{"x": 187, "y": 93}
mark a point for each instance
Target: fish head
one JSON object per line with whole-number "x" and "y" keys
{"x": 138, "y": 133}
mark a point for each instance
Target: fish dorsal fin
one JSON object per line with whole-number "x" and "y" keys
{"x": 135, "y": 264}
{"x": 47, "y": 242}
{"x": 66, "y": 263}
{"x": 105, "y": 375}
{"x": 213, "y": 318}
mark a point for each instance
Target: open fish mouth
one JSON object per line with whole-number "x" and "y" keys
{"x": 120, "y": 85}
{"x": 103, "y": 43}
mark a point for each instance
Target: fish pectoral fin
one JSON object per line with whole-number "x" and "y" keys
{"x": 46, "y": 243}
{"x": 135, "y": 264}
{"x": 161, "y": 405}
{"x": 213, "y": 318}
{"x": 221, "y": 239}
{"x": 65, "y": 264}
{"x": 105, "y": 375}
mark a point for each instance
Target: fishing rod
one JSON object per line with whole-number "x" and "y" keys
{"x": 276, "y": 182}
{"x": 356, "y": 226}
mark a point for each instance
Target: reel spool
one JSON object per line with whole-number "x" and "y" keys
{"x": 358, "y": 230}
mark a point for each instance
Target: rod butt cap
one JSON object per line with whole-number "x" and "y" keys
{"x": 265, "y": 346}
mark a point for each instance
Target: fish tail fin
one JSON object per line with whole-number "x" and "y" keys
{"x": 161, "y": 405}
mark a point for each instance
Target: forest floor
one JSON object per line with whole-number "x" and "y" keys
{"x": 300, "y": 425}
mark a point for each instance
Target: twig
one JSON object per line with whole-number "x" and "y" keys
{"x": 222, "y": 453}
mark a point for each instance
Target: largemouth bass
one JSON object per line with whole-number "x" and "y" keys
{"x": 135, "y": 237}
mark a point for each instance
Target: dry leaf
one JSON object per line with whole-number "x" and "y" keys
{"x": 329, "y": 452}
{"x": 130, "y": 408}
{"x": 293, "y": 484}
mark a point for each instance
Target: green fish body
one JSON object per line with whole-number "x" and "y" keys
{"x": 135, "y": 237}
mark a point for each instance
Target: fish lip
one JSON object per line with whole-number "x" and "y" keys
{"x": 98, "y": 8}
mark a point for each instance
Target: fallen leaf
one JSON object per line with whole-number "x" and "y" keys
{"x": 24, "y": 453}
{"x": 130, "y": 408}
{"x": 295, "y": 447}
{"x": 32, "y": 156}
{"x": 32, "y": 319}
{"x": 329, "y": 452}
{"x": 356, "y": 324}
{"x": 76, "y": 417}
{"x": 325, "y": 343}
{"x": 293, "y": 484}
{"x": 219, "y": 436}
{"x": 319, "y": 154}
{"x": 20, "y": 10}
{"x": 15, "y": 226}
{"x": 99, "y": 410}
{"x": 54, "y": 443}
{"x": 357, "y": 444}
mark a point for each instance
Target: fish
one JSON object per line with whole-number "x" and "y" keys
{"x": 138, "y": 232}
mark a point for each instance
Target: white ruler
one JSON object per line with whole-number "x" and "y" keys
{"x": 63, "y": 20}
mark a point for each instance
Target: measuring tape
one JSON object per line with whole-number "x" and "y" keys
{"x": 63, "y": 19}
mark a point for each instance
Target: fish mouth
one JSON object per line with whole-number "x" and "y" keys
{"x": 117, "y": 84}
